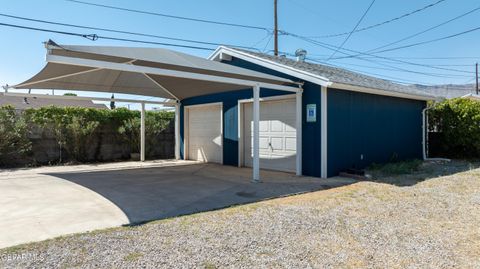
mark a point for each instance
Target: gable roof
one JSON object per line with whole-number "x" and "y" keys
{"x": 33, "y": 102}
{"x": 325, "y": 75}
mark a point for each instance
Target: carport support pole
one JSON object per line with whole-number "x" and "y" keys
{"x": 142, "y": 133}
{"x": 177, "y": 131}
{"x": 298, "y": 125}
{"x": 256, "y": 133}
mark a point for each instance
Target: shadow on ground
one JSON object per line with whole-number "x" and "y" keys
{"x": 147, "y": 194}
{"x": 427, "y": 170}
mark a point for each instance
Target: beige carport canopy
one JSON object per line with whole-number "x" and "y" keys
{"x": 143, "y": 71}
{"x": 159, "y": 73}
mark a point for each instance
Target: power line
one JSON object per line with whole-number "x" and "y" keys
{"x": 403, "y": 70}
{"x": 385, "y": 61}
{"x": 94, "y": 37}
{"x": 332, "y": 47}
{"x": 355, "y": 28}
{"x": 171, "y": 16}
{"x": 384, "y": 22}
{"x": 430, "y": 41}
{"x": 427, "y": 30}
{"x": 119, "y": 31}
{"x": 412, "y": 58}
{"x": 389, "y": 78}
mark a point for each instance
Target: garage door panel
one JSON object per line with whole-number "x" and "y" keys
{"x": 205, "y": 133}
{"x": 291, "y": 144}
{"x": 277, "y": 143}
{"x": 276, "y": 126}
{"x": 277, "y": 135}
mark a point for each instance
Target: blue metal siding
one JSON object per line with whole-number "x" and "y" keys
{"x": 378, "y": 127}
{"x": 311, "y": 145}
{"x": 230, "y": 118}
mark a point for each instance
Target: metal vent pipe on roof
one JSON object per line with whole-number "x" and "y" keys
{"x": 301, "y": 54}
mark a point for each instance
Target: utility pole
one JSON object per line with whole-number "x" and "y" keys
{"x": 275, "y": 31}
{"x": 476, "y": 72}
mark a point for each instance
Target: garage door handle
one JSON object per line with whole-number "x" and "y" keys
{"x": 270, "y": 145}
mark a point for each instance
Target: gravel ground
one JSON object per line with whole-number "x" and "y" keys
{"x": 431, "y": 224}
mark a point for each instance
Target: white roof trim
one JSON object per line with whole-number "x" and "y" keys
{"x": 84, "y": 98}
{"x": 354, "y": 88}
{"x": 215, "y": 56}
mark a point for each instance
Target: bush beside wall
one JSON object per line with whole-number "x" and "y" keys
{"x": 59, "y": 135}
{"x": 454, "y": 129}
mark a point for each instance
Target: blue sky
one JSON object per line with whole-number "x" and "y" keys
{"x": 22, "y": 52}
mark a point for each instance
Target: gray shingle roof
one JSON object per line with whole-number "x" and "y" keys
{"x": 32, "y": 102}
{"x": 340, "y": 75}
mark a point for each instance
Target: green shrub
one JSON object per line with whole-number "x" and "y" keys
{"x": 79, "y": 131}
{"x": 155, "y": 123}
{"x": 457, "y": 123}
{"x": 14, "y": 142}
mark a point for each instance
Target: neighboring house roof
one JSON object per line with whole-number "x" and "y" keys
{"x": 33, "y": 102}
{"x": 323, "y": 74}
{"x": 448, "y": 90}
{"x": 472, "y": 96}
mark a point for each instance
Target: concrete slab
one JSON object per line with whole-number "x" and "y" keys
{"x": 42, "y": 203}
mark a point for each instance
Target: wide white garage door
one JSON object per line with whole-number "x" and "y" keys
{"x": 204, "y": 128}
{"x": 277, "y": 135}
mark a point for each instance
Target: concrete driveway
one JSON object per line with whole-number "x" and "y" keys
{"x": 42, "y": 203}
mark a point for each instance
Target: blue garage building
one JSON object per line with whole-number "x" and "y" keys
{"x": 250, "y": 109}
{"x": 349, "y": 120}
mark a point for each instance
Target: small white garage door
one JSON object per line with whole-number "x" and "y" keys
{"x": 204, "y": 133}
{"x": 278, "y": 145}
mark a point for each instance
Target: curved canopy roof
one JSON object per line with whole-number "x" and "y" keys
{"x": 143, "y": 71}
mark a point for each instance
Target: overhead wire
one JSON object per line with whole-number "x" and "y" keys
{"x": 170, "y": 16}
{"x": 255, "y": 27}
{"x": 120, "y": 31}
{"x": 428, "y": 29}
{"x": 353, "y": 30}
{"x": 94, "y": 37}
{"x": 430, "y": 41}
{"x": 384, "y": 22}
{"x": 348, "y": 52}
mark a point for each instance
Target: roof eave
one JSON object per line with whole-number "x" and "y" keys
{"x": 342, "y": 86}
{"x": 215, "y": 56}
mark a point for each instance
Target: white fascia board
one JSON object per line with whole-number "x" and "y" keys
{"x": 164, "y": 72}
{"x": 270, "y": 64}
{"x": 354, "y": 88}
{"x": 68, "y": 97}
{"x": 215, "y": 56}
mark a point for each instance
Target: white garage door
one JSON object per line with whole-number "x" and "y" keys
{"x": 277, "y": 135}
{"x": 204, "y": 140}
